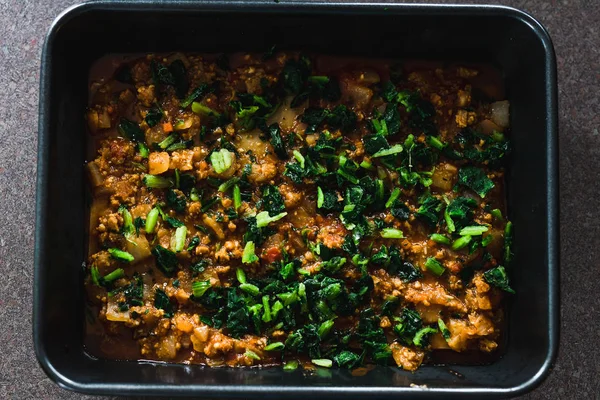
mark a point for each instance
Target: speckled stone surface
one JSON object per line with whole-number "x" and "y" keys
{"x": 575, "y": 29}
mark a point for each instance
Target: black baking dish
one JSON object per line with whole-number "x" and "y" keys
{"x": 509, "y": 39}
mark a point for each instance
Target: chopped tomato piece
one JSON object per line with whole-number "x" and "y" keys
{"x": 272, "y": 254}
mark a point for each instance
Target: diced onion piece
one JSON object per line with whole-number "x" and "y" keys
{"x": 251, "y": 141}
{"x": 360, "y": 95}
{"x": 438, "y": 342}
{"x": 285, "y": 115}
{"x": 138, "y": 247}
{"x": 113, "y": 313}
{"x": 214, "y": 225}
{"x": 355, "y": 91}
{"x": 98, "y": 120}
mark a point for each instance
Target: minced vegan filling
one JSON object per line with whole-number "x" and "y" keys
{"x": 279, "y": 208}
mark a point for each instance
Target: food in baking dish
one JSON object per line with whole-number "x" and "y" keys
{"x": 283, "y": 208}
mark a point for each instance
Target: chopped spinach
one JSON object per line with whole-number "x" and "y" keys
{"x": 475, "y": 179}
{"x": 409, "y": 323}
{"x": 166, "y": 260}
{"x": 272, "y": 201}
{"x": 130, "y": 130}
{"x": 460, "y": 210}
{"x": 429, "y": 210}
{"x": 153, "y": 117}
{"x": 277, "y": 142}
{"x": 161, "y": 74}
{"x": 497, "y": 277}
{"x": 339, "y": 118}
{"x": 162, "y": 302}
{"x": 373, "y": 337}
{"x": 294, "y": 74}
{"x": 180, "y": 80}
{"x": 176, "y": 200}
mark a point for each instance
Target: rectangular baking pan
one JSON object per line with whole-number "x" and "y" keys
{"x": 509, "y": 39}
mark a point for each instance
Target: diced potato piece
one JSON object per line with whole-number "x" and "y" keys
{"x": 463, "y": 98}
{"x": 358, "y": 94}
{"x": 488, "y": 127}
{"x": 368, "y": 76}
{"x": 103, "y": 119}
{"x": 167, "y": 348}
{"x": 444, "y": 176}
{"x": 158, "y": 162}
{"x": 304, "y": 215}
{"x": 98, "y": 119}
{"x": 96, "y": 179}
{"x": 183, "y": 323}
{"x": 182, "y": 296}
{"x": 93, "y": 122}
{"x": 500, "y": 113}
{"x": 113, "y": 313}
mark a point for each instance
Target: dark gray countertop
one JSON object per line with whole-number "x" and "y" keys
{"x": 575, "y": 28}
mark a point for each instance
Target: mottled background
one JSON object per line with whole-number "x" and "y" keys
{"x": 575, "y": 29}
